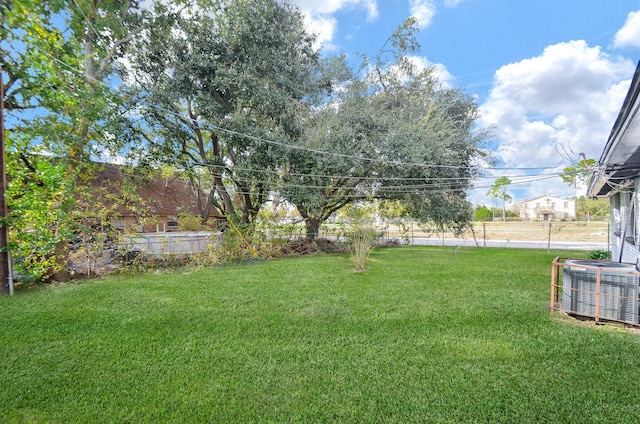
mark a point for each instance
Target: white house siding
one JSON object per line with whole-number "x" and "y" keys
{"x": 624, "y": 225}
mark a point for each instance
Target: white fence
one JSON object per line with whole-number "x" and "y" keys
{"x": 173, "y": 243}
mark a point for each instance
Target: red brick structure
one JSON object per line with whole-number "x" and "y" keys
{"x": 140, "y": 201}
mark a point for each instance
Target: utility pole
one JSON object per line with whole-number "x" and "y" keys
{"x": 5, "y": 287}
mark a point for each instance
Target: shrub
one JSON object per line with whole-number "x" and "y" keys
{"x": 362, "y": 242}
{"x": 602, "y": 255}
{"x": 190, "y": 222}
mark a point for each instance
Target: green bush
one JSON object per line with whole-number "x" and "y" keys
{"x": 602, "y": 255}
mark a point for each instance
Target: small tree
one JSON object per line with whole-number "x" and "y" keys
{"x": 592, "y": 207}
{"x": 499, "y": 191}
{"x": 579, "y": 174}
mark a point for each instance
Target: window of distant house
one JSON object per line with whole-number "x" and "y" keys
{"x": 566, "y": 205}
{"x": 172, "y": 221}
{"x": 566, "y": 215}
{"x": 537, "y": 205}
{"x": 553, "y": 205}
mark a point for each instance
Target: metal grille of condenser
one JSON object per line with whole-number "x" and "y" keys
{"x": 618, "y": 290}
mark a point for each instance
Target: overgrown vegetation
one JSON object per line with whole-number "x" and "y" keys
{"x": 426, "y": 335}
{"x": 244, "y": 119}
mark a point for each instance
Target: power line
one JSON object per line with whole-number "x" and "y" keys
{"x": 213, "y": 127}
{"x": 397, "y": 189}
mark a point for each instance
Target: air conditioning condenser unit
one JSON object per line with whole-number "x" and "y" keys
{"x": 618, "y": 290}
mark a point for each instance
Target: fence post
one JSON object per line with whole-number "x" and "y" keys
{"x": 549, "y": 239}
{"x": 554, "y": 285}
{"x": 412, "y": 241}
{"x": 484, "y": 234}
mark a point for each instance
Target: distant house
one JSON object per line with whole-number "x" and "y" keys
{"x": 618, "y": 177}
{"x": 547, "y": 208}
{"x": 140, "y": 202}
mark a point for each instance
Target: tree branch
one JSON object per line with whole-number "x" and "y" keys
{"x": 114, "y": 49}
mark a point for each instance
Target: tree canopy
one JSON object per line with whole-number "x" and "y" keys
{"x": 579, "y": 173}
{"x": 499, "y": 191}
{"x": 390, "y": 132}
{"x": 59, "y": 59}
{"x": 213, "y": 94}
{"x": 232, "y": 95}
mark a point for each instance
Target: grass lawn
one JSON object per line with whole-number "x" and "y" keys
{"x": 428, "y": 334}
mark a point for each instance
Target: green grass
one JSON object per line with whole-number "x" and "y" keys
{"x": 426, "y": 335}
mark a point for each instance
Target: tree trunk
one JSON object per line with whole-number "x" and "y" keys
{"x": 227, "y": 202}
{"x": 205, "y": 209}
{"x": 312, "y": 225}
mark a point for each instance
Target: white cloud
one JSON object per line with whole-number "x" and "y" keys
{"x": 569, "y": 96}
{"x": 318, "y": 17}
{"x": 440, "y": 71}
{"x": 423, "y": 11}
{"x": 547, "y": 109}
{"x": 629, "y": 34}
{"x": 323, "y": 27}
{"x": 327, "y": 7}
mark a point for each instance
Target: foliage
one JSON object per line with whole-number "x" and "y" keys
{"x": 213, "y": 92}
{"x": 588, "y": 208}
{"x": 499, "y": 191}
{"x": 236, "y": 244}
{"x": 362, "y": 242}
{"x": 361, "y": 233}
{"x": 389, "y": 209}
{"x": 483, "y": 214}
{"x": 360, "y": 212}
{"x": 190, "y": 222}
{"x": 390, "y": 132}
{"x": 56, "y": 57}
{"x": 427, "y": 335}
{"x": 578, "y": 173}
{"x": 38, "y": 217}
{"x": 601, "y": 255}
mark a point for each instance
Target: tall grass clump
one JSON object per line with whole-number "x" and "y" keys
{"x": 362, "y": 242}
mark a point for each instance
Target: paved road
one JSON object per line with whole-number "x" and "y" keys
{"x": 527, "y": 244}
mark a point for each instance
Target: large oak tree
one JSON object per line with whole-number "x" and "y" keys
{"x": 216, "y": 83}
{"x": 390, "y": 132}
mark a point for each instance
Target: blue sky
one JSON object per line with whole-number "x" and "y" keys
{"x": 549, "y": 75}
